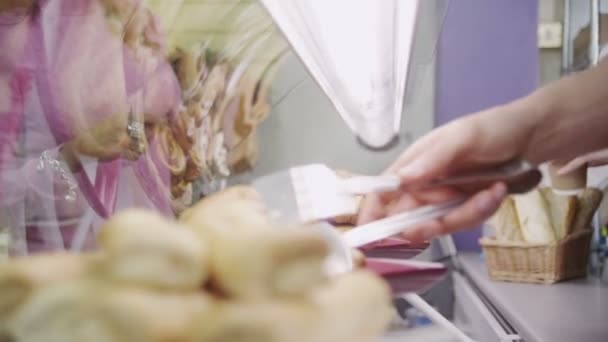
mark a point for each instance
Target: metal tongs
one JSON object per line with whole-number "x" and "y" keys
{"x": 519, "y": 177}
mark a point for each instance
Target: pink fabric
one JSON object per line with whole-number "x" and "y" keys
{"x": 66, "y": 72}
{"x": 15, "y": 77}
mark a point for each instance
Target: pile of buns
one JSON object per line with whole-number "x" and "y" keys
{"x": 223, "y": 272}
{"x": 544, "y": 215}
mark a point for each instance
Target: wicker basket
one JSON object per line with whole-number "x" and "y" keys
{"x": 537, "y": 263}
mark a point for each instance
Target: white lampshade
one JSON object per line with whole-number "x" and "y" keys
{"x": 360, "y": 54}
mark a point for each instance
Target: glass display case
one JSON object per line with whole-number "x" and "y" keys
{"x": 114, "y": 104}
{"x": 108, "y": 104}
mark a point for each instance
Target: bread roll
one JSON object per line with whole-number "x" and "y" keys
{"x": 92, "y": 312}
{"x": 261, "y": 321}
{"x": 506, "y": 222}
{"x": 562, "y": 210}
{"x": 144, "y": 248}
{"x": 533, "y": 214}
{"x": 19, "y": 278}
{"x": 252, "y": 257}
{"x": 237, "y": 209}
{"x": 355, "y": 306}
{"x": 588, "y": 202}
{"x": 257, "y": 266}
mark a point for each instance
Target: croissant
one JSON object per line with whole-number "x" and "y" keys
{"x": 250, "y": 257}
{"x": 181, "y": 203}
{"x": 179, "y": 187}
{"x": 213, "y": 87}
{"x": 135, "y": 27}
{"x": 173, "y": 156}
{"x": 94, "y": 312}
{"x": 194, "y": 166}
{"x": 195, "y": 111}
{"x": 185, "y": 65}
{"x": 146, "y": 249}
{"x": 182, "y": 127}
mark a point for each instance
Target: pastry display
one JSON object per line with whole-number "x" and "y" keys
{"x": 93, "y": 311}
{"x": 544, "y": 216}
{"x": 225, "y": 272}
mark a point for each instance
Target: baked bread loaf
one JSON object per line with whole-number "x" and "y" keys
{"x": 589, "y": 200}
{"x": 506, "y": 222}
{"x": 534, "y": 217}
{"x": 562, "y": 210}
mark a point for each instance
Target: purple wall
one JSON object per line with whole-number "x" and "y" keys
{"x": 487, "y": 55}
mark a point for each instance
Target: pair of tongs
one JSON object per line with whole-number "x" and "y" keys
{"x": 519, "y": 177}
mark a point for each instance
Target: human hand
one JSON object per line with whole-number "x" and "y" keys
{"x": 483, "y": 140}
{"x": 593, "y": 159}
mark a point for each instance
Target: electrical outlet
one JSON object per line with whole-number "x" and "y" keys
{"x": 550, "y": 35}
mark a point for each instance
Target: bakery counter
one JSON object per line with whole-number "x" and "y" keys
{"x": 575, "y": 310}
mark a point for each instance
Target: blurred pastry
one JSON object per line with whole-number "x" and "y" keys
{"x": 21, "y": 277}
{"x": 144, "y": 248}
{"x": 355, "y": 306}
{"x": 261, "y": 321}
{"x": 252, "y": 257}
{"x": 94, "y": 312}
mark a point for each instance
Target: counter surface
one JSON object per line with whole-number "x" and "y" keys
{"x": 575, "y": 310}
